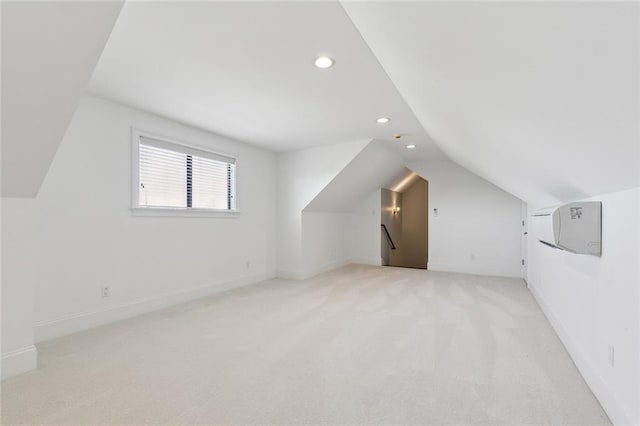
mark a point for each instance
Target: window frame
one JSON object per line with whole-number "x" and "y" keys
{"x": 138, "y": 210}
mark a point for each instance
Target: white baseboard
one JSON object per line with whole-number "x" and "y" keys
{"x": 618, "y": 413}
{"x": 291, "y": 274}
{"x": 19, "y": 361}
{"x": 471, "y": 269}
{"x": 312, "y": 272}
{"x": 461, "y": 269}
{"x": 375, "y": 261}
{"x": 51, "y": 329}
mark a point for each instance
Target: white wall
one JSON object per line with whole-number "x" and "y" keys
{"x": 366, "y": 236}
{"x": 86, "y": 236}
{"x": 326, "y": 241}
{"x": 333, "y": 207}
{"x": 372, "y": 168}
{"x": 478, "y": 225}
{"x": 594, "y": 302}
{"x": 301, "y": 176}
{"x": 531, "y": 126}
{"x": 18, "y": 286}
{"x": 49, "y": 52}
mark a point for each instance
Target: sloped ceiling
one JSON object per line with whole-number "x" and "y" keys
{"x": 376, "y": 166}
{"x": 540, "y": 98}
{"x": 403, "y": 181}
{"x": 303, "y": 174}
{"x": 245, "y": 70}
{"x": 49, "y": 51}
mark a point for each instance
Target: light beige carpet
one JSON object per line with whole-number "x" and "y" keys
{"x": 359, "y": 345}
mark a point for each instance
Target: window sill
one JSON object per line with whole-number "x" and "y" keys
{"x": 179, "y": 212}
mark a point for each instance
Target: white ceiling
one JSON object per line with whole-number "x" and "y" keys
{"x": 376, "y": 166}
{"x": 540, "y": 98}
{"x": 49, "y": 50}
{"x": 245, "y": 70}
{"x": 403, "y": 181}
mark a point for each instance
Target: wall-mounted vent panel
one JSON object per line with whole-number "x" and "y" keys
{"x": 574, "y": 227}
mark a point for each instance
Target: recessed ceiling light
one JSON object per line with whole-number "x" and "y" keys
{"x": 324, "y": 62}
{"x": 411, "y": 146}
{"x": 383, "y": 120}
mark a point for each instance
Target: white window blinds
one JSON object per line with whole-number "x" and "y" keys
{"x": 176, "y": 176}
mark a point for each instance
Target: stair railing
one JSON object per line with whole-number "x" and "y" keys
{"x": 389, "y": 239}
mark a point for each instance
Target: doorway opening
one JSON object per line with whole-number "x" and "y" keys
{"x": 405, "y": 224}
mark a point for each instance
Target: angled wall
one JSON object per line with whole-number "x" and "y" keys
{"x": 477, "y": 227}
{"x": 49, "y": 51}
{"x": 301, "y": 175}
{"x": 540, "y": 98}
{"x": 374, "y": 167}
{"x": 366, "y": 237}
{"x": 327, "y": 236}
{"x": 79, "y": 234}
{"x": 18, "y": 285}
{"x": 593, "y": 303}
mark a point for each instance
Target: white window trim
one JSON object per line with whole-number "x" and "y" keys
{"x": 146, "y": 211}
{"x": 182, "y": 212}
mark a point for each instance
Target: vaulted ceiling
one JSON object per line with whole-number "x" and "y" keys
{"x": 246, "y": 70}
{"x": 49, "y": 51}
{"x": 374, "y": 167}
{"x": 540, "y": 98}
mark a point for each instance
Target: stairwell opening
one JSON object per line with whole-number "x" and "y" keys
{"x": 405, "y": 225}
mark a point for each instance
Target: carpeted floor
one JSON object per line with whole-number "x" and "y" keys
{"x": 360, "y": 344}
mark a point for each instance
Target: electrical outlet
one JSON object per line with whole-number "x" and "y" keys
{"x": 612, "y": 355}
{"x": 435, "y": 212}
{"x": 105, "y": 291}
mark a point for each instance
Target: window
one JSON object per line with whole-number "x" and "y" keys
{"x": 178, "y": 177}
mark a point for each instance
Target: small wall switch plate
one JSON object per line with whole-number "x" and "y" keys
{"x": 435, "y": 212}
{"x": 105, "y": 291}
